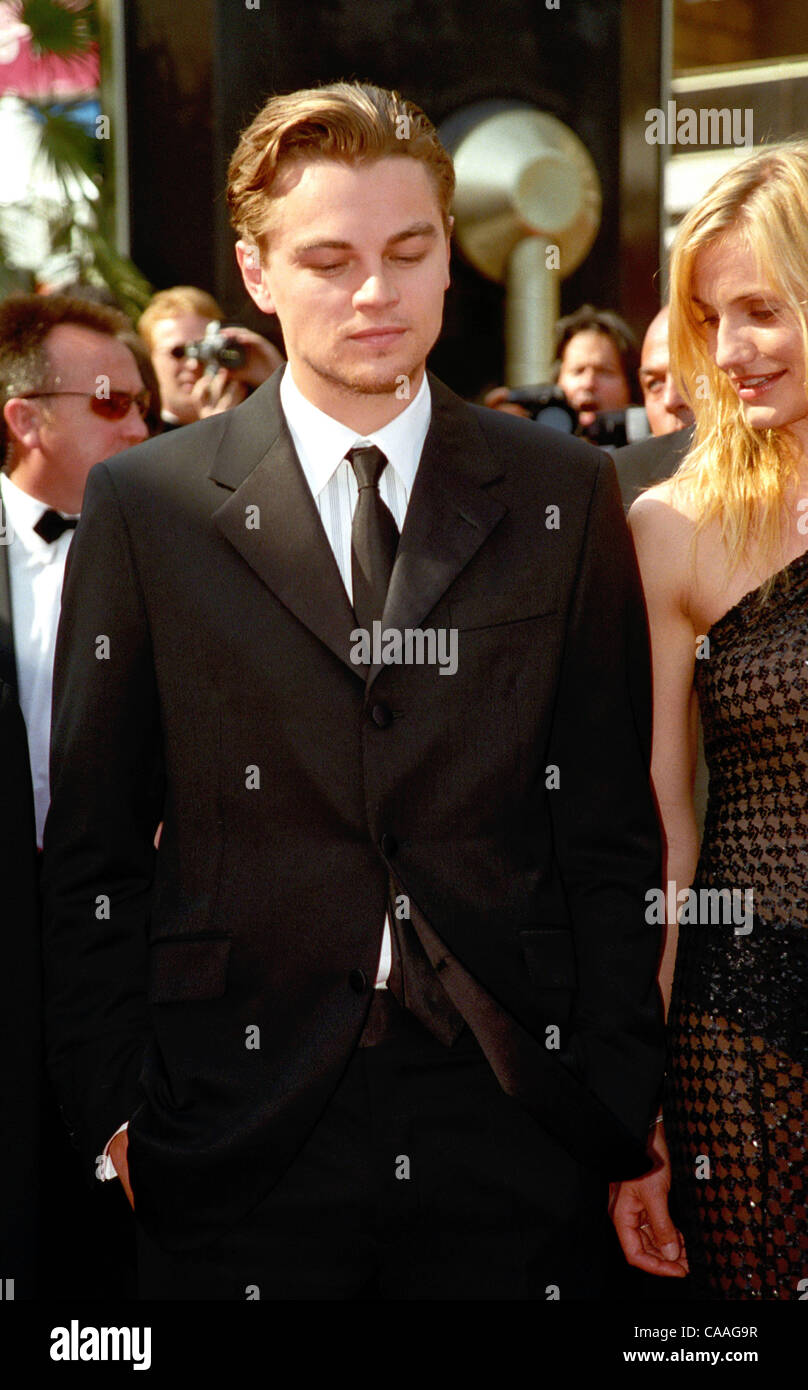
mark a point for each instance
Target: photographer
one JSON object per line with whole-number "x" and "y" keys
{"x": 197, "y": 372}
{"x": 598, "y": 363}
{"x": 596, "y": 372}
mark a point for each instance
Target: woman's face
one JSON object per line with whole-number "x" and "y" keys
{"x": 753, "y": 337}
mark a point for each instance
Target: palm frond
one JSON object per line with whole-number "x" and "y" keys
{"x": 78, "y": 222}
{"x": 131, "y": 289}
{"x": 68, "y": 149}
{"x": 57, "y": 29}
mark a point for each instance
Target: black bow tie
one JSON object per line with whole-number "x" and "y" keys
{"x": 52, "y": 525}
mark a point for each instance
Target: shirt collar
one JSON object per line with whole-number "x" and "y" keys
{"x": 322, "y": 442}
{"x": 23, "y": 512}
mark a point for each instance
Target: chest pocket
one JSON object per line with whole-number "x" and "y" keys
{"x": 495, "y": 610}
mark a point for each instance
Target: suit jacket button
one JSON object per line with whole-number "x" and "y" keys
{"x": 358, "y": 981}
{"x": 382, "y": 715}
{"x": 388, "y": 845}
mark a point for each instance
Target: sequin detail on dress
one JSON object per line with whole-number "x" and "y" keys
{"x": 736, "y": 1103}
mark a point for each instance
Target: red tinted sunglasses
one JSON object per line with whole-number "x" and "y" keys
{"x": 114, "y": 406}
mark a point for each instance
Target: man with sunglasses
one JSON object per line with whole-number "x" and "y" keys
{"x": 71, "y": 395}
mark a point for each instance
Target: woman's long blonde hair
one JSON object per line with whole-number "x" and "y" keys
{"x": 732, "y": 472}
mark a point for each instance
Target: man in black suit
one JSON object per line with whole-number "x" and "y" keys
{"x": 380, "y": 1011}
{"x": 70, "y": 395}
{"x": 648, "y": 461}
{"x": 20, "y": 1035}
{"x": 68, "y": 392}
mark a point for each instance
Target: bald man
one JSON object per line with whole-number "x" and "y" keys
{"x": 665, "y": 408}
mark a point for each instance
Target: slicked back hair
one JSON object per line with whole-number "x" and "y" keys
{"x": 354, "y": 122}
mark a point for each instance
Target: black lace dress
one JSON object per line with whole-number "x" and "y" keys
{"x": 736, "y": 1102}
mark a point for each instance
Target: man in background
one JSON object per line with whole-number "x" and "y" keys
{"x": 596, "y": 367}
{"x": 666, "y": 409}
{"x": 597, "y": 358}
{"x": 648, "y": 461}
{"x": 21, "y": 1078}
{"x": 71, "y": 395}
{"x": 178, "y": 317}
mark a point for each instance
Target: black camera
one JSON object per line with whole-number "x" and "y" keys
{"x": 216, "y": 350}
{"x": 548, "y": 405}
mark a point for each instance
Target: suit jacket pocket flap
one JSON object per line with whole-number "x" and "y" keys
{"x": 490, "y": 610}
{"x": 550, "y": 956}
{"x": 194, "y": 968}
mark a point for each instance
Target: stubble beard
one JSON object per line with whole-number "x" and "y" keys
{"x": 370, "y": 379}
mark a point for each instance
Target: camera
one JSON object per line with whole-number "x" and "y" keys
{"x": 216, "y": 350}
{"x": 548, "y": 405}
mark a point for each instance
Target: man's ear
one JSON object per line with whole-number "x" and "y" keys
{"x": 449, "y": 230}
{"x": 22, "y": 419}
{"x": 249, "y": 262}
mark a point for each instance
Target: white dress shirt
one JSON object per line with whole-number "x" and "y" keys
{"x": 36, "y": 573}
{"x": 322, "y": 443}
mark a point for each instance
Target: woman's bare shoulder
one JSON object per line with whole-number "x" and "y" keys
{"x": 663, "y": 505}
{"x": 663, "y": 525}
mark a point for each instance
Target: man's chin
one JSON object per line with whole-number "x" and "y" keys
{"x": 375, "y": 382}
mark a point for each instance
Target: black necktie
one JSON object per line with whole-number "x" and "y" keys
{"x": 52, "y": 525}
{"x": 374, "y": 537}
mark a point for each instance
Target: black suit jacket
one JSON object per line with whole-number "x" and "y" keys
{"x": 649, "y": 461}
{"x": 204, "y": 678}
{"x": 8, "y": 664}
{"x": 20, "y": 1010}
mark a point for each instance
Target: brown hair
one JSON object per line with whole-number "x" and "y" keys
{"x": 348, "y": 121}
{"x": 25, "y": 322}
{"x": 170, "y": 304}
{"x": 588, "y": 319}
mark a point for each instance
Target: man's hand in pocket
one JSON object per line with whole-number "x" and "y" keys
{"x": 118, "y": 1150}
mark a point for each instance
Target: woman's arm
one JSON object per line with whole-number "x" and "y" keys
{"x": 662, "y": 538}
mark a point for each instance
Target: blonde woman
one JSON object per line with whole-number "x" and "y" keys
{"x": 722, "y": 550}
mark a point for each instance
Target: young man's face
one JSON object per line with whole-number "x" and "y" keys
{"x": 356, "y": 267}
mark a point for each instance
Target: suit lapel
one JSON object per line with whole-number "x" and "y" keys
{"x": 8, "y": 664}
{"x": 450, "y": 513}
{"x": 287, "y": 548}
